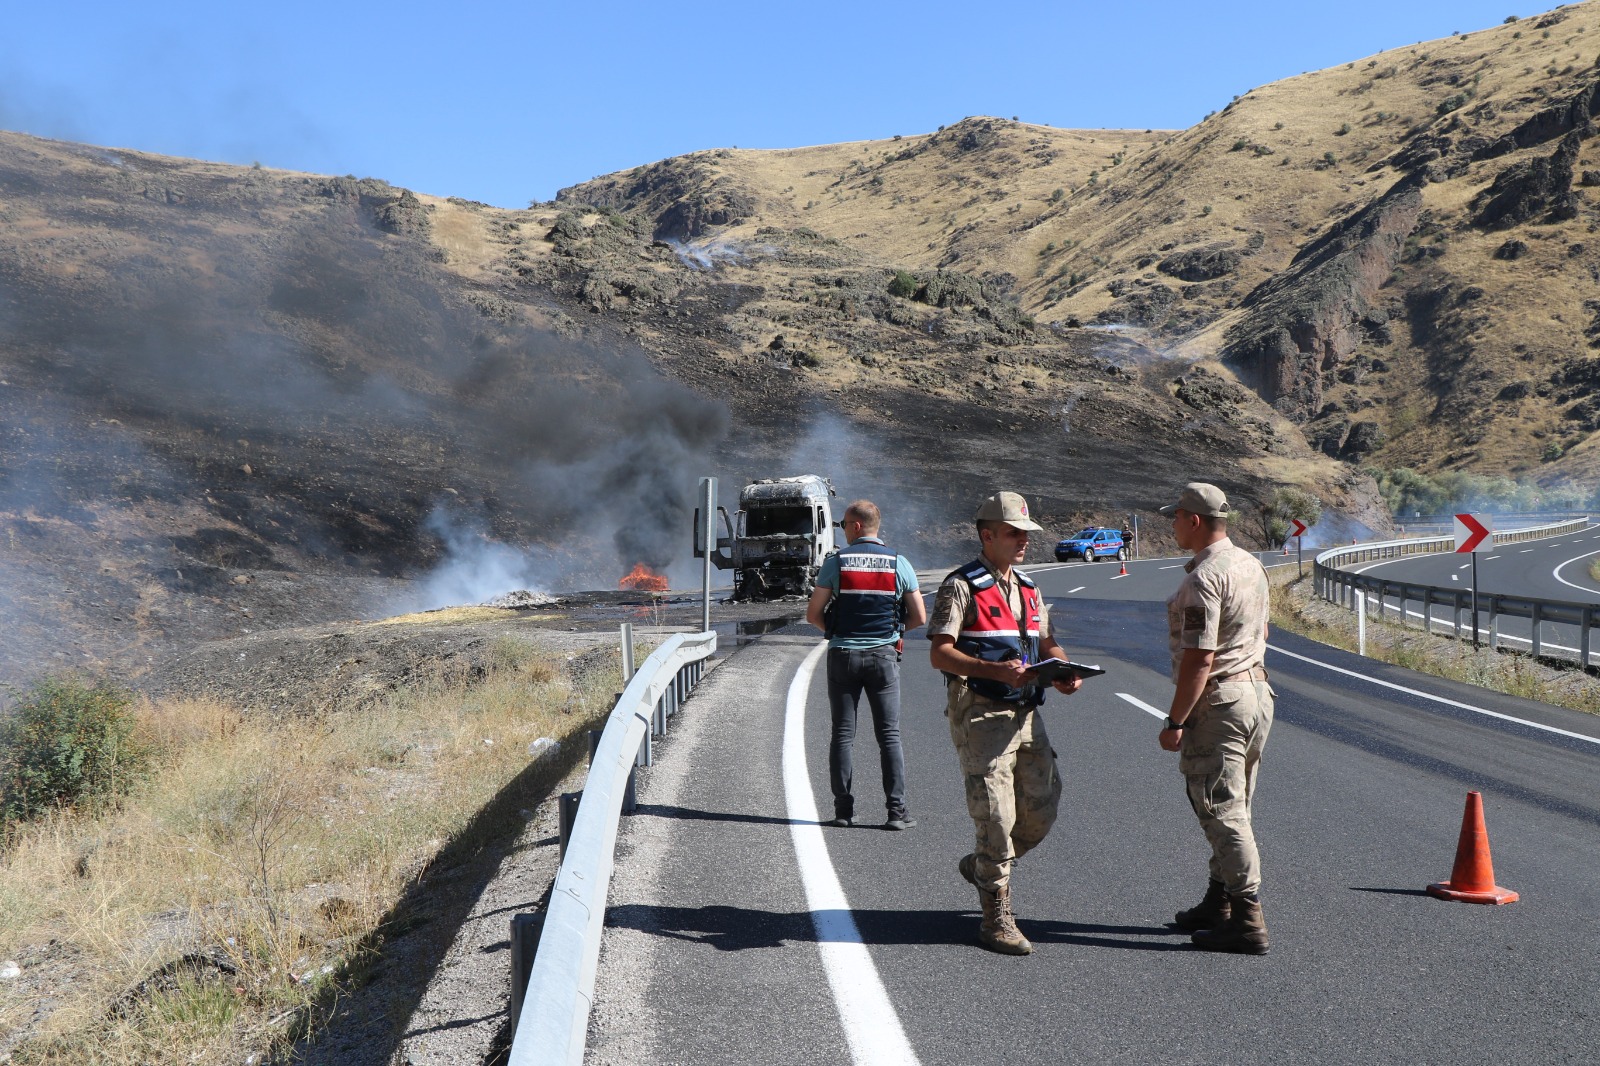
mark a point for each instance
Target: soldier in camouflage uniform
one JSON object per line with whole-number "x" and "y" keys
{"x": 988, "y": 623}
{"x": 1221, "y": 712}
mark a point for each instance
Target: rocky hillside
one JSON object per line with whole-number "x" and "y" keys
{"x": 1397, "y": 253}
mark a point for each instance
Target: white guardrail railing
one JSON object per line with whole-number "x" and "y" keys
{"x": 1336, "y": 585}
{"x": 551, "y": 1027}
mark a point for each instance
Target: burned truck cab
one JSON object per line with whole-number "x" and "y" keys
{"x": 776, "y": 542}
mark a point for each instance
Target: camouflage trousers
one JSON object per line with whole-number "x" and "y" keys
{"x": 1013, "y": 788}
{"x": 1222, "y": 745}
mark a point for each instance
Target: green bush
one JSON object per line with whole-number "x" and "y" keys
{"x": 66, "y": 743}
{"x": 903, "y": 284}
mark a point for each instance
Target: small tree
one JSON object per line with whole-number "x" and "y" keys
{"x": 903, "y": 284}
{"x": 1269, "y": 522}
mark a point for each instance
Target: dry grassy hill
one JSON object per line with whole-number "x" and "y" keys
{"x": 1458, "y": 338}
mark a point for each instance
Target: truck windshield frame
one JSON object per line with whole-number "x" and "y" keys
{"x": 783, "y": 520}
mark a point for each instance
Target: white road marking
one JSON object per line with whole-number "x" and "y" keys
{"x": 1116, "y": 576}
{"x": 1556, "y": 573}
{"x": 871, "y": 1025}
{"x": 1463, "y": 566}
{"x": 1436, "y": 699}
{"x": 1174, "y": 566}
{"x": 1143, "y": 706}
{"x": 1080, "y": 588}
{"x": 1525, "y": 551}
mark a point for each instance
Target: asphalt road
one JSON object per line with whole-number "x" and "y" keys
{"x": 714, "y": 955}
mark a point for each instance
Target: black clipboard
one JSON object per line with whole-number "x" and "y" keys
{"x": 1050, "y": 670}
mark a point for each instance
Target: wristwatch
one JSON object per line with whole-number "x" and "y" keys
{"x": 1173, "y": 725}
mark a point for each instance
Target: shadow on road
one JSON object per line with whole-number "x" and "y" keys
{"x": 744, "y": 928}
{"x": 659, "y": 810}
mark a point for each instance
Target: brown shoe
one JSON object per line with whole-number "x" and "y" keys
{"x": 1210, "y": 913}
{"x": 1244, "y": 933}
{"x": 998, "y": 931}
{"x": 969, "y": 868}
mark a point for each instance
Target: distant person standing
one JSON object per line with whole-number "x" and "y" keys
{"x": 866, "y": 596}
{"x": 989, "y": 622}
{"x": 1221, "y": 712}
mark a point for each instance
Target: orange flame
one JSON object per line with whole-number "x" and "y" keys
{"x": 643, "y": 578}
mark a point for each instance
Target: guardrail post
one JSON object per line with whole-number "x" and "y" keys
{"x": 1427, "y": 610}
{"x": 647, "y": 751}
{"x": 566, "y": 814}
{"x": 1361, "y": 624}
{"x": 1583, "y": 637}
{"x": 627, "y": 653}
{"x": 524, "y": 946}
{"x": 1494, "y": 624}
{"x": 1538, "y": 617}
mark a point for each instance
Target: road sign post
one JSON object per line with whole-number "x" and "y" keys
{"x": 1472, "y": 533}
{"x": 706, "y": 536}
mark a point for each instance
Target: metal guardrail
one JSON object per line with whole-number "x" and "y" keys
{"x": 552, "y": 1026}
{"x": 1445, "y": 522}
{"x": 1338, "y": 586}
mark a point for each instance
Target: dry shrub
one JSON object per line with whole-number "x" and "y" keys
{"x": 267, "y": 854}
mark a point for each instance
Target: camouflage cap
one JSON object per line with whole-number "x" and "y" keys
{"x": 1007, "y": 507}
{"x": 1200, "y": 498}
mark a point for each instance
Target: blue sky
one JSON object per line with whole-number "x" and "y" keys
{"x": 507, "y": 102}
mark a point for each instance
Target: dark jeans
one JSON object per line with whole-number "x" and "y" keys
{"x": 876, "y": 672}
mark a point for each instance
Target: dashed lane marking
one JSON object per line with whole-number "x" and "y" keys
{"x": 1080, "y": 588}
{"x": 1143, "y": 706}
{"x": 871, "y": 1025}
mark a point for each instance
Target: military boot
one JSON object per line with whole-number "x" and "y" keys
{"x": 999, "y": 931}
{"x": 1210, "y": 913}
{"x": 1244, "y": 933}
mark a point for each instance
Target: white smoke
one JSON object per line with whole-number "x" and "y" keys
{"x": 706, "y": 254}
{"x": 476, "y": 568}
{"x": 1066, "y": 409}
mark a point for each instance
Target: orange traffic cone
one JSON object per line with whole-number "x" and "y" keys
{"x": 1123, "y": 572}
{"x": 1472, "y": 878}
{"x": 1286, "y": 547}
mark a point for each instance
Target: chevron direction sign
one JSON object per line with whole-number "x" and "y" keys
{"x": 1299, "y": 529}
{"x": 1473, "y": 532}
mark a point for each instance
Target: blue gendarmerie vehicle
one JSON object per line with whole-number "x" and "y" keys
{"x": 1096, "y": 542}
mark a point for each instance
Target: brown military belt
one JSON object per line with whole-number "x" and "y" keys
{"x": 1255, "y": 673}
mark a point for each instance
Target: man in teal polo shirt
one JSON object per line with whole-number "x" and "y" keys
{"x": 866, "y": 596}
